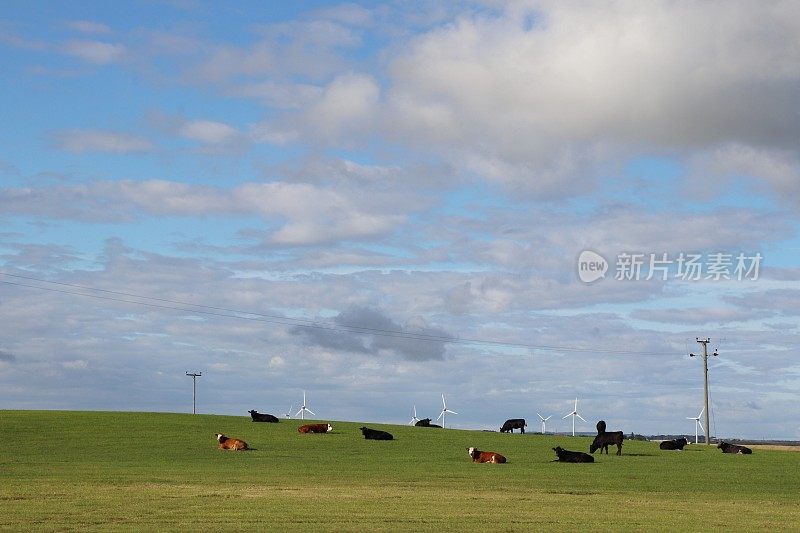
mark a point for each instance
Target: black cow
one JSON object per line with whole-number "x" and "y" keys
{"x": 602, "y": 441}
{"x": 601, "y": 427}
{"x": 513, "y": 423}
{"x": 426, "y": 423}
{"x": 375, "y": 434}
{"x": 262, "y": 417}
{"x": 674, "y": 444}
{"x": 566, "y": 456}
{"x": 733, "y": 448}
{"x": 604, "y": 438}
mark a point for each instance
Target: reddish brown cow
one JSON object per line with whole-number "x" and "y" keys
{"x": 227, "y": 443}
{"x": 315, "y": 428}
{"x": 485, "y": 457}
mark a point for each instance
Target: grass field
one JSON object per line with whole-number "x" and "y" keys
{"x": 145, "y": 471}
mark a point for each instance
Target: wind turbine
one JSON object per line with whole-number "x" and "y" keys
{"x": 543, "y": 421}
{"x": 442, "y": 415}
{"x": 697, "y": 423}
{"x": 302, "y": 411}
{"x": 573, "y": 414}
{"x": 414, "y": 418}
{"x": 289, "y": 412}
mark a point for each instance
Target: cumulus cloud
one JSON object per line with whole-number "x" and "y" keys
{"x": 96, "y": 52}
{"x": 608, "y": 79}
{"x": 368, "y": 331}
{"x": 87, "y": 140}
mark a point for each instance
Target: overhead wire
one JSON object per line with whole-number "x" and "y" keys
{"x": 224, "y": 312}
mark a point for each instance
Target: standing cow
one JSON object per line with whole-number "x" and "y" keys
{"x": 513, "y": 423}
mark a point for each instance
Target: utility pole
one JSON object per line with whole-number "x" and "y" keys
{"x": 194, "y": 390}
{"x": 705, "y": 379}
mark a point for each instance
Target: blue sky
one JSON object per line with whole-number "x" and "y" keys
{"x": 188, "y": 185}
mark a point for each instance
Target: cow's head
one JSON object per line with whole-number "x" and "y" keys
{"x": 472, "y": 451}
{"x": 558, "y": 450}
{"x": 593, "y": 447}
{"x": 220, "y": 437}
{"x": 330, "y": 428}
{"x": 253, "y": 412}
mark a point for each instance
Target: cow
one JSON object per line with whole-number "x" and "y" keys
{"x": 485, "y": 457}
{"x": 674, "y": 444}
{"x": 227, "y": 443}
{"x": 733, "y": 448}
{"x": 566, "y": 456}
{"x": 315, "y": 428}
{"x": 375, "y": 434}
{"x": 513, "y": 423}
{"x": 601, "y": 427}
{"x": 262, "y": 417}
{"x": 604, "y": 438}
{"x": 602, "y": 441}
{"x": 426, "y": 423}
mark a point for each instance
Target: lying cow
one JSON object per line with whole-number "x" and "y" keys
{"x": 426, "y": 423}
{"x": 512, "y": 424}
{"x": 227, "y": 443}
{"x": 262, "y": 417}
{"x": 485, "y": 457}
{"x": 566, "y": 456}
{"x": 733, "y": 448}
{"x": 375, "y": 434}
{"x": 315, "y": 428}
{"x": 674, "y": 444}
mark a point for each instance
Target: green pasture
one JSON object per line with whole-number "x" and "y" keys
{"x": 153, "y": 471}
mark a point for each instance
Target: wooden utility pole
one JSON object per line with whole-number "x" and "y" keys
{"x": 194, "y": 390}
{"x": 705, "y": 379}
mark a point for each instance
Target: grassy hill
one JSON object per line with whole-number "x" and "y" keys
{"x": 97, "y": 470}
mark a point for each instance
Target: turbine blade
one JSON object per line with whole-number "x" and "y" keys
{"x": 315, "y": 414}
{"x": 298, "y": 412}
{"x": 449, "y": 411}
{"x": 579, "y": 416}
{"x": 548, "y": 418}
{"x": 440, "y": 415}
{"x": 567, "y": 416}
{"x": 540, "y": 416}
{"x": 701, "y": 425}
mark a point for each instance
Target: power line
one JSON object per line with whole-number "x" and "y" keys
{"x": 223, "y": 312}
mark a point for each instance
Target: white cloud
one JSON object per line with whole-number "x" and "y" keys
{"x": 87, "y": 140}
{"x": 87, "y": 26}
{"x": 347, "y": 105}
{"x": 209, "y": 132}
{"x": 626, "y": 75}
{"x": 96, "y": 52}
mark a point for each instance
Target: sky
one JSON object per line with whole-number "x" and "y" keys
{"x": 514, "y": 204}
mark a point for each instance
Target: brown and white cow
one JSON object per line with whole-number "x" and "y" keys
{"x": 315, "y": 428}
{"x": 227, "y": 443}
{"x": 485, "y": 457}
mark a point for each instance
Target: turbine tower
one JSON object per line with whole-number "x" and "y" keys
{"x": 442, "y": 415}
{"x": 573, "y": 414}
{"x": 414, "y": 418}
{"x": 543, "y": 421}
{"x": 302, "y": 411}
{"x": 697, "y": 423}
{"x": 289, "y": 412}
